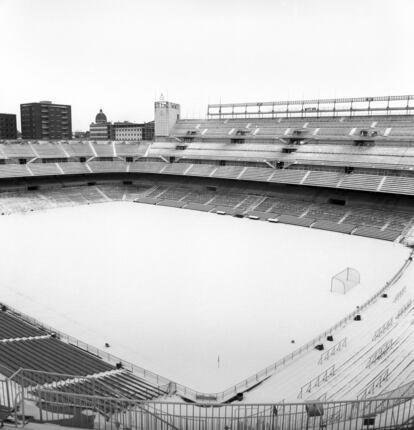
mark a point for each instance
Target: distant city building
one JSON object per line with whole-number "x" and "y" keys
{"x": 46, "y": 121}
{"x": 8, "y": 129}
{"x": 166, "y": 115}
{"x": 148, "y": 131}
{"x": 133, "y": 132}
{"x": 81, "y": 134}
{"x": 127, "y": 131}
{"x": 101, "y": 129}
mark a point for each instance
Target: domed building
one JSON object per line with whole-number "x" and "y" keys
{"x": 101, "y": 129}
{"x": 100, "y": 118}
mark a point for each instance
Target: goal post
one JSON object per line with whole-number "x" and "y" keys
{"x": 344, "y": 281}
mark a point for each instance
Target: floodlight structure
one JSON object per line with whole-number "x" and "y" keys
{"x": 344, "y": 281}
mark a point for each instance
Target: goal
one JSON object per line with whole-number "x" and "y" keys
{"x": 344, "y": 281}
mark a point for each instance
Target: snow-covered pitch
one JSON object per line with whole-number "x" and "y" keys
{"x": 202, "y": 299}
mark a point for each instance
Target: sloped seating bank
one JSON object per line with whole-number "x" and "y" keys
{"x": 50, "y": 360}
{"x": 12, "y": 327}
{"x": 379, "y": 223}
{"x": 296, "y": 206}
{"x": 49, "y": 355}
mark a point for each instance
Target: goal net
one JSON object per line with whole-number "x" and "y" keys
{"x": 343, "y": 281}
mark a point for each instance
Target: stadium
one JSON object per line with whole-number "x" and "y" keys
{"x": 312, "y": 199}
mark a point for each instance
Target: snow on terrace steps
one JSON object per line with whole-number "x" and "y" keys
{"x": 351, "y": 364}
{"x": 241, "y": 291}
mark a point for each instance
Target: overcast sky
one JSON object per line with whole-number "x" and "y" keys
{"x": 121, "y": 55}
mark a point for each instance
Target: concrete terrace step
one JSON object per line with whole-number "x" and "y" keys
{"x": 333, "y": 226}
{"x": 171, "y": 203}
{"x": 376, "y": 233}
{"x": 294, "y": 220}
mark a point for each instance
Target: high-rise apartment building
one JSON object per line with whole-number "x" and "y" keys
{"x": 46, "y": 121}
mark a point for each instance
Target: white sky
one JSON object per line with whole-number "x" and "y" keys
{"x": 120, "y": 55}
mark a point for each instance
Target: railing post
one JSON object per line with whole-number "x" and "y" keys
{"x": 22, "y": 405}
{"x": 7, "y": 393}
{"x": 40, "y": 405}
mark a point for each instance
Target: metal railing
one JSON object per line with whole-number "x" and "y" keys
{"x": 400, "y": 294}
{"x": 317, "y": 381}
{"x": 5, "y": 394}
{"x": 333, "y": 350}
{"x": 380, "y": 352}
{"x": 404, "y": 309}
{"x": 376, "y": 382}
{"x": 113, "y": 413}
{"x": 383, "y": 329}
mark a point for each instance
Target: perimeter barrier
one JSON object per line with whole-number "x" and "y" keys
{"x": 68, "y": 409}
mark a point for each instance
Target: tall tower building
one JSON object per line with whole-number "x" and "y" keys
{"x": 8, "y": 128}
{"x": 46, "y": 121}
{"x": 166, "y": 115}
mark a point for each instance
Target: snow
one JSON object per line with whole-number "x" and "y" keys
{"x": 353, "y": 374}
{"x": 172, "y": 290}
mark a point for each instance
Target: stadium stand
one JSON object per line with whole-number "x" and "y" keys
{"x": 14, "y": 171}
{"x": 400, "y": 185}
{"x": 17, "y": 150}
{"x": 75, "y": 168}
{"x": 12, "y": 327}
{"x": 44, "y": 169}
{"x": 130, "y": 149}
{"x": 50, "y": 360}
{"x": 230, "y": 172}
{"x": 248, "y": 203}
{"x": 350, "y": 174}
{"x": 375, "y": 233}
{"x": 201, "y": 197}
{"x": 78, "y": 150}
{"x": 323, "y": 179}
{"x": 326, "y": 212}
{"x": 256, "y": 174}
{"x": 370, "y": 217}
{"x": 288, "y": 176}
{"x": 176, "y": 169}
{"x": 147, "y": 167}
{"x": 48, "y": 150}
{"x": 227, "y": 200}
{"x": 49, "y": 355}
{"x": 107, "y": 166}
{"x": 174, "y": 193}
{"x": 103, "y": 149}
{"x": 201, "y": 170}
{"x": 383, "y": 224}
{"x": 115, "y": 383}
{"x": 361, "y": 182}
{"x": 333, "y": 226}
